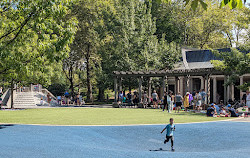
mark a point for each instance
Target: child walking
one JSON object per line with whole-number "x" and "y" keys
{"x": 170, "y": 133}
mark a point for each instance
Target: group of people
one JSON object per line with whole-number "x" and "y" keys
{"x": 221, "y": 111}
{"x": 66, "y": 99}
{"x": 196, "y": 100}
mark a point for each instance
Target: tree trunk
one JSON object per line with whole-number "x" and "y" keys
{"x": 101, "y": 94}
{"x": 12, "y": 93}
{"x": 89, "y": 85}
{"x": 72, "y": 87}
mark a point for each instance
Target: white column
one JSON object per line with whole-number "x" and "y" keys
{"x": 241, "y": 83}
{"x": 181, "y": 85}
{"x": 228, "y": 93}
{"x": 214, "y": 89}
{"x": 191, "y": 85}
{"x": 232, "y": 92}
{"x": 202, "y": 82}
{"x": 188, "y": 83}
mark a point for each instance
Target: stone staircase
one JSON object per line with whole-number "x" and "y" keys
{"x": 24, "y": 99}
{"x": 29, "y": 99}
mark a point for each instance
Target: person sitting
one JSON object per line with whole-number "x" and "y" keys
{"x": 211, "y": 111}
{"x": 232, "y": 111}
{"x": 217, "y": 108}
{"x": 223, "y": 112}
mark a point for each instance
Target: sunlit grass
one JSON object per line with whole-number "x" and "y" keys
{"x": 98, "y": 116}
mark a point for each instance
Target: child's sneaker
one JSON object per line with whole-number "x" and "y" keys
{"x": 172, "y": 149}
{"x": 165, "y": 141}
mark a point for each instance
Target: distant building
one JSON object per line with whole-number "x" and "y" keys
{"x": 193, "y": 73}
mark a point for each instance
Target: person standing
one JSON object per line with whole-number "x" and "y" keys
{"x": 120, "y": 97}
{"x": 169, "y": 100}
{"x": 59, "y": 100}
{"x": 129, "y": 98}
{"x": 178, "y": 102}
{"x": 198, "y": 101}
{"x": 1, "y": 91}
{"x": 136, "y": 99}
{"x": 203, "y": 98}
{"x": 248, "y": 100}
{"x": 172, "y": 101}
{"x": 81, "y": 100}
{"x": 190, "y": 99}
{"x": 66, "y": 94}
{"x": 165, "y": 101}
{"x": 145, "y": 99}
{"x": 78, "y": 99}
{"x": 155, "y": 99}
{"x": 186, "y": 101}
{"x": 48, "y": 98}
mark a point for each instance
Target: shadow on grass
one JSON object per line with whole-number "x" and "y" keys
{"x": 5, "y": 126}
{"x": 186, "y": 113}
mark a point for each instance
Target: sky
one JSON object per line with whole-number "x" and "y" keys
{"x": 248, "y": 1}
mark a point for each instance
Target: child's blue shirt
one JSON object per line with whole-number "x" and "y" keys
{"x": 170, "y": 129}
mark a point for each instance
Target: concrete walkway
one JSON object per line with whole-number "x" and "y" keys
{"x": 211, "y": 140}
{"x": 247, "y": 119}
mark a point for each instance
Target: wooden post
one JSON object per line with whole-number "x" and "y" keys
{"x": 163, "y": 85}
{"x": 241, "y": 83}
{"x": 188, "y": 83}
{"x": 176, "y": 85}
{"x": 181, "y": 85}
{"x": 149, "y": 87}
{"x": 208, "y": 90}
{"x": 12, "y": 94}
{"x": 214, "y": 89}
{"x": 202, "y": 82}
{"x": 232, "y": 92}
{"x": 225, "y": 90}
{"x": 191, "y": 85}
{"x": 120, "y": 85}
{"x": 140, "y": 88}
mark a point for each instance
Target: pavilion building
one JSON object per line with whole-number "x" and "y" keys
{"x": 193, "y": 73}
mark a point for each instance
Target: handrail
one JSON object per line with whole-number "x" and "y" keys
{"x": 5, "y": 97}
{"x": 47, "y": 91}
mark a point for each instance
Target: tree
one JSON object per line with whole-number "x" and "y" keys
{"x": 73, "y": 67}
{"x": 131, "y": 43}
{"x": 240, "y": 26}
{"x": 87, "y": 41}
{"x": 231, "y": 3}
{"x": 207, "y": 29}
{"x": 33, "y": 35}
{"x": 234, "y": 63}
{"x": 169, "y": 21}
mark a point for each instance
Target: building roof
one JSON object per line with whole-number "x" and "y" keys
{"x": 193, "y": 62}
{"x": 197, "y": 59}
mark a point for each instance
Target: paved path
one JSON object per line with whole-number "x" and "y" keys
{"x": 214, "y": 139}
{"x": 247, "y": 119}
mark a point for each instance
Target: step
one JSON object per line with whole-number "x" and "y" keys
{"x": 24, "y": 100}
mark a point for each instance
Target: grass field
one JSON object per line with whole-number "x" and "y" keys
{"x": 98, "y": 116}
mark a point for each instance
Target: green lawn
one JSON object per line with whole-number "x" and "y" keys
{"x": 98, "y": 116}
